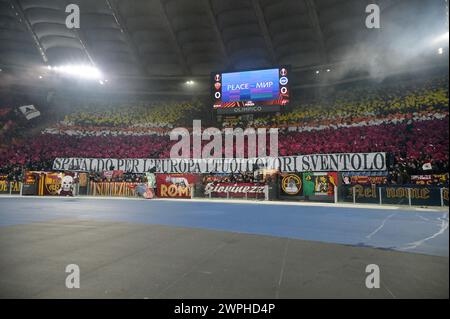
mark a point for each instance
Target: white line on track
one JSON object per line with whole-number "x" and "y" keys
{"x": 381, "y": 226}
{"x": 283, "y": 266}
{"x": 423, "y": 218}
{"x": 443, "y": 228}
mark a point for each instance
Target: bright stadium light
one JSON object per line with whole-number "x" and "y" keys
{"x": 81, "y": 71}
{"x": 441, "y": 51}
{"x": 190, "y": 83}
{"x": 442, "y": 38}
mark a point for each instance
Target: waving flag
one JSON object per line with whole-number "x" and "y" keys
{"x": 29, "y": 111}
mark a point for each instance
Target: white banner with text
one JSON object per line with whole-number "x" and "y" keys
{"x": 351, "y": 162}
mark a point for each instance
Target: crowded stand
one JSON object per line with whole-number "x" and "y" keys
{"x": 353, "y": 105}
{"x": 123, "y": 119}
{"x": 408, "y": 121}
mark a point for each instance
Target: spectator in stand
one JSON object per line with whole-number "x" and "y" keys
{"x": 410, "y": 122}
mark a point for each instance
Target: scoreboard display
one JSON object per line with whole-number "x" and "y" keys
{"x": 262, "y": 88}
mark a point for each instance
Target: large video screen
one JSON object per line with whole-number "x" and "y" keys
{"x": 251, "y": 88}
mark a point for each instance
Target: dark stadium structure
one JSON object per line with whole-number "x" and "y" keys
{"x": 154, "y": 46}
{"x": 362, "y": 119}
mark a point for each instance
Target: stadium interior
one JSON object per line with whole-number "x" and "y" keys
{"x": 117, "y": 86}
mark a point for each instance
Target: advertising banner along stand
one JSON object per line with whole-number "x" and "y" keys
{"x": 175, "y": 185}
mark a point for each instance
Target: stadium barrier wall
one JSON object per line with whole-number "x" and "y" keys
{"x": 10, "y": 188}
{"x": 232, "y": 191}
{"x": 308, "y": 187}
{"x": 112, "y": 189}
{"x": 324, "y": 187}
{"x": 414, "y": 195}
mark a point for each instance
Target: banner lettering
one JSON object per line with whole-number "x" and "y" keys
{"x": 292, "y": 164}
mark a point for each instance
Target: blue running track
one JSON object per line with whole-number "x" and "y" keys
{"x": 403, "y": 229}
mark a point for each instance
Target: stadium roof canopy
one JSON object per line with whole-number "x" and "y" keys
{"x": 191, "y": 38}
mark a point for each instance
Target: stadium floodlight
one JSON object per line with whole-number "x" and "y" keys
{"x": 80, "y": 71}
{"x": 328, "y": 70}
{"x": 317, "y": 72}
{"x": 190, "y": 83}
{"x": 442, "y": 38}
{"x": 441, "y": 51}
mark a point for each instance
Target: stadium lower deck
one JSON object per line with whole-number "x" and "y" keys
{"x": 215, "y": 249}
